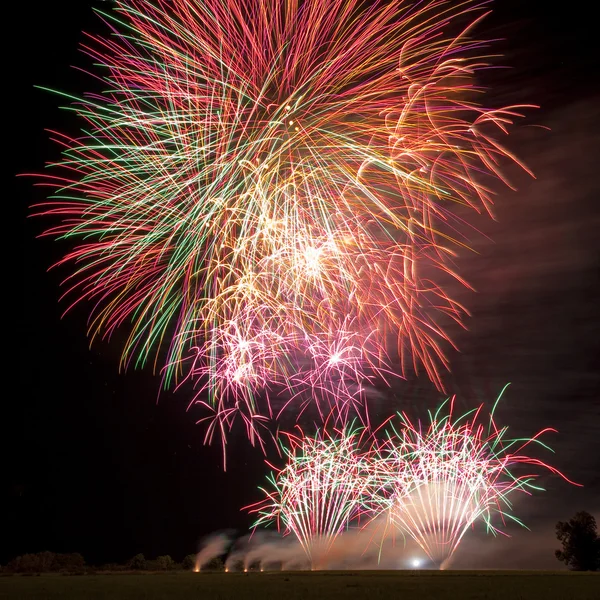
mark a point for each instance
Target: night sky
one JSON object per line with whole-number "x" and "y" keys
{"x": 96, "y": 462}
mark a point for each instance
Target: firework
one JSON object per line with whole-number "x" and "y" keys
{"x": 318, "y": 492}
{"x": 266, "y": 194}
{"x": 435, "y": 483}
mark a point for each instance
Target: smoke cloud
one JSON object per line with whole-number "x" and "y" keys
{"x": 215, "y": 544}
{"x": 375, "y": 546}
{"x": 379, "y": 545}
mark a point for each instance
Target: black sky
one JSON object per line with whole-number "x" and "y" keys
{"x": 94, "y": 464}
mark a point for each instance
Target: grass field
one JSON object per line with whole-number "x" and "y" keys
{"x": 417, "y": 585}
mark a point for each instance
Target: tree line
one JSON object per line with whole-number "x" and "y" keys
{"x": 74, "y": 563}
{"x": 578, "y": 537}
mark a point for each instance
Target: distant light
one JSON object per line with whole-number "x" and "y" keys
{"x": 416, "y": 563}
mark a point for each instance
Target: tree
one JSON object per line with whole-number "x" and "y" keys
{"x": 580, "y": 542}
{"x": 72, "y": 563}
{"x": 189, "y": 562}
{"x": 214, "y": 564}
{"x": 238, "y": 565}
{"x": 165, "y": 563}
{"x": 138, "y": 562}
{"x": 41, "y": 562}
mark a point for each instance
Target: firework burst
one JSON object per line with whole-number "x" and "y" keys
{"x": 435, "y": 483}
{"x": 318, "y": 492}
{"x": 266, "y": 191}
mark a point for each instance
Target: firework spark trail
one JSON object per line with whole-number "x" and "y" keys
{"x": 257, "y": 176}
{"x": 317, "y": 493}
{"x": 435, "y": 483}
{"x": 430, "y": 484}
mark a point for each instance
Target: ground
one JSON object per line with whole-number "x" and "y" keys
{"x": 421, "y": 585}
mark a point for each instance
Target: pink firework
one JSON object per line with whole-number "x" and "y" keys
{"x": 318, "y": 492}
{"x": 434, "y": 484}
{"x": 268, "y": 191}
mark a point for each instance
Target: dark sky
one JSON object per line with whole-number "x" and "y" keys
{"x": 94, "y": 464}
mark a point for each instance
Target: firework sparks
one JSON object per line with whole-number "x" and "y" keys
{"x": 435, "y": 483}
{"x": 266, "y": 191}
{"x": 317, "y": 493}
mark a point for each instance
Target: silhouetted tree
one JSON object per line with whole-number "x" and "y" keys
{"x": 138, "y": 562}
{"x": 41, "y": 562}
{"x": 214, "y": 564}
{"x": 189, "y": 562}
{"x": 234, "y": 565}
{"x": 71, "y": 563}
{"x": 46, "y": 562}
{"x": 165, "y": 563}
{"x": 580, "y": 542}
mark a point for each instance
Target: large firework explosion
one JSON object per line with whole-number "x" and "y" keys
{"x": 266, "y": 193}
{"x": 318, "y": 492}
{"x": 435, "y": 483}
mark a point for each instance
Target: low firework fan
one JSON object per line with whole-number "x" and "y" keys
{"x": 429, "y": 484}
{"x": 318, "y": 492}
{"x": 433, "y": 484}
